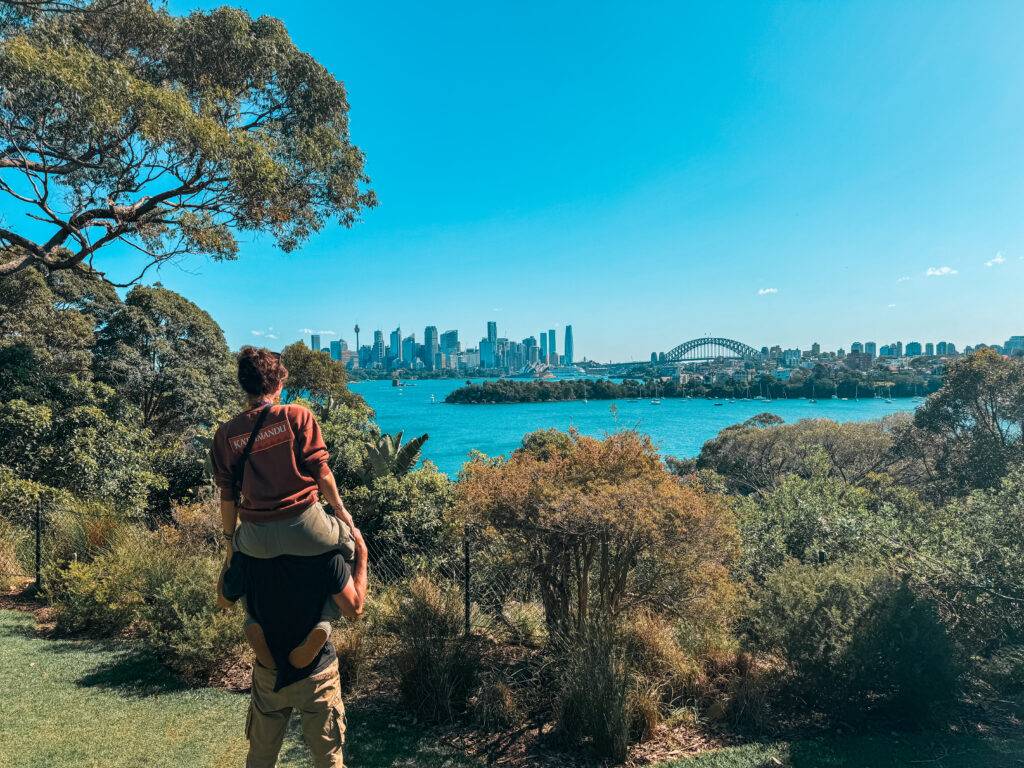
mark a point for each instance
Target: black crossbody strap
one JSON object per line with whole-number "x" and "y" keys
{"x": 240, "y": 467}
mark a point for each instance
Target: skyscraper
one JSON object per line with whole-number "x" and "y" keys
{"x": 913, "y": 348}
{"x": 492, "y": 331}
{"x": 450, "y": 343}
{"x": 929, "y": 349}
{"x": 552, "y": 354}
{"x": 568, "y": 345}
{"x": 378, "y": 348}
{"x": 543, "y": 347}
{"x": 870, "y": 349}
{"x": 431, "y": 347}
{"x": 336, "y": 349}
{"x": 857, "y": 347}
{"x": 409, "y": 350}
{"x": 314, "y": 342}
{"x": 396, "y": 344}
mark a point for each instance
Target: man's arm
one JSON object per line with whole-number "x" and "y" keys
{"x": 228, "y": 523}
{"x": 351, "y": 599}
{"x": 329, "y": 488}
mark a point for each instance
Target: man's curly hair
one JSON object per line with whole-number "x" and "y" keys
{"x": 260, "y": 371}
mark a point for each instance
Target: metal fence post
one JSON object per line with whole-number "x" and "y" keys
{"x": 465, "y": 578}
{"x": 39, "y": 545}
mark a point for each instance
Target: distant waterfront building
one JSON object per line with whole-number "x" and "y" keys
{"x": 431, "y": 348}
{"x": 791, "y": 357}
{"x": 409, "y": 349}
{"x": 913, "y": 349}
{"x": 543, "y": 347}
{"x": 336, "y": 348}
{"x": 815, "y": 349}
{"x": 929, "y": 349}
{"x": 857, "y": 347}
{"x": 870, "y": 349}
{"x": 569, "y": 351}
{"x": 492, "y": 331}
{"x": 552, "y": 354}
{"x": 450, "y": 344}
{"x": 395, "y": 349}
{"x": 654, "y": 356}
{"x": 314, "y": 342}
{"x": 377, "y": 356}
{"x": 487, "y": 353}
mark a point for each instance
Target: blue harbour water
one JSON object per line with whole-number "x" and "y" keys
{"x": 679, "y": 427}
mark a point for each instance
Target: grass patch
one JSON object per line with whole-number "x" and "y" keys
{"x": 88, "y": 704}
{"x": 878, "y": 751}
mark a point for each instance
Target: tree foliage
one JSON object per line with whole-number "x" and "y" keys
{"x": 603, "y": 525}
{"x": 316, "y": 378}
{"x": 165, "y": 135}
{"x": 756, "y": 454}
{"x": 167, "y": 358}
{"x": 969, "y": 433}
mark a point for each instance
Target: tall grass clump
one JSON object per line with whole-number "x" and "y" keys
{"x": 435, "y": 665}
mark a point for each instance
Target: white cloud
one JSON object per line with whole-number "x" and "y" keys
{"x": 767, "y": 291}
{"x": 892, "y": 306}
{"x": 311, "y": 331}
{"x": 997, "y": 259}
{"x": 903, "y": 279}
{"x": 267, "y": 334}
{"x": 939, "y": 271}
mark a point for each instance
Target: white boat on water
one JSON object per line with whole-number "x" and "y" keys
{"x": 656, "y": 401}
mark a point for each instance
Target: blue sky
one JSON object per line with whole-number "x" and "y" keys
{"x": 651, "y": 172}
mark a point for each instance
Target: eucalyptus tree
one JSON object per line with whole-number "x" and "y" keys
{"x": 124, "y": 125}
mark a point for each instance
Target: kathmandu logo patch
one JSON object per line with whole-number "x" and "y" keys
{"x": 269, "y": 436}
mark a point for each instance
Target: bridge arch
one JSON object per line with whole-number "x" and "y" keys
{"x": 709, "y": 348}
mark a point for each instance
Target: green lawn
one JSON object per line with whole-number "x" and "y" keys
{"x": 86, "y": 704}
{"x": 925, "y": 750}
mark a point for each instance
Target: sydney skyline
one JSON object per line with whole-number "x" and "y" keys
{"x": 770, "y": 172}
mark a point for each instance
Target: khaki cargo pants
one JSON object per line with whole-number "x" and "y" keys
{"x": 318, "y": 700}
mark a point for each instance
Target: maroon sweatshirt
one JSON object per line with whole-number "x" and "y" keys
{"x": 287, "y": 459}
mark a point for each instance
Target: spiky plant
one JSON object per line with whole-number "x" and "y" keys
{"x": 389, "y": 456}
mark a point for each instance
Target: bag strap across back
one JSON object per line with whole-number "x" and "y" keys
{"x": 240, "y": 467}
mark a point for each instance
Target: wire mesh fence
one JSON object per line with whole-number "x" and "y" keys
{"x": 493, "y": 586}
{"x": 22, "y": 554}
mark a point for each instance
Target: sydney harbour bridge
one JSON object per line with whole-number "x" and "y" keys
{"x": 709, "y": 348}
{"x": 704, "y": 349}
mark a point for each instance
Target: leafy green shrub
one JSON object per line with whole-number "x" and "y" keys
{"x": 435, "y": 665}
{"x": 856, "y": 641}
{"x": 104, "y": 595}
{"x": 184, "y": 626}
{"x": 149, "y": 583}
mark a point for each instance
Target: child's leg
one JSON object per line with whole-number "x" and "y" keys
{"x": 257, "y": 641}
{"x": 305, "y": 653}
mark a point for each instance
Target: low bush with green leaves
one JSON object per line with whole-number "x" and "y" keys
{"x": 856, "y": 641}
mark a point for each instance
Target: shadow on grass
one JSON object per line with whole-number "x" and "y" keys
{"x": 133, "y": 673}
{"x": 901, "y": 750}
{"x": 377, "y": 735}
